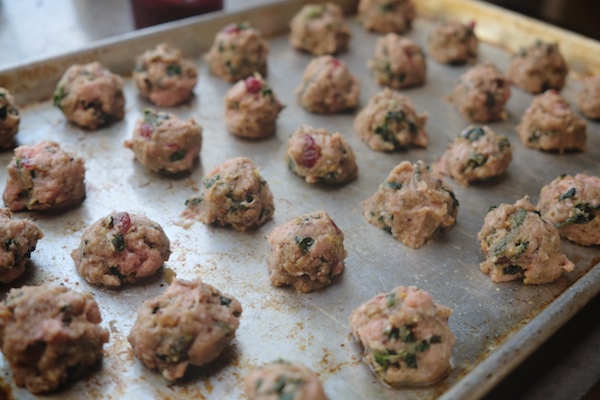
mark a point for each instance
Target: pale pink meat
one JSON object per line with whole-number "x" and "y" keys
{"x": 19, "y": 238}
{"x": 9, "y": 119}
{"x": 320, "y": 29}
{"x": 386, "y": 16}
{"x": 538, "y": 68}
{"x": 453, "y": 43}
{"x": 397, "y": 62}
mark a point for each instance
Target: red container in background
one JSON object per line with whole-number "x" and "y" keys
{"x": 153, "y": 12}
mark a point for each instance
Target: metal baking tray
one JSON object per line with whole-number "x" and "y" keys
{"x": 496, "y": 325}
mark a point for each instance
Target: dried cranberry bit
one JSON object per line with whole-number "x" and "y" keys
{"x": 471, "y": 25}
{"x": 231, "y": 28}
{"x": 146, "y": 130}
{"x": 122, "y": 221}
{"x": 253, "y": 85}
{"x": 311, "y": 152}
{"x": 336, "y": 63}
{"x": 337, "y": 230}
{"x": 173, "y": 146}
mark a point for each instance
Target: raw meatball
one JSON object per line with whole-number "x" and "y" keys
{"x": 283, "y": 380}
{"x": 319, "y": 157}
{"x": 19, "y": 238}
{"x": 481, "y": 93}
{"x": 320, "y": 29}
{"x": 538, "y": 68}
{"x": 234, "y": 195}
{"x": 251, "y": 108}
{"x": 328, "y": 87}
{"x": 453, "y": 43}
{"x": 50, "y": 335}
{"x": 385, "y": 16}
{"x": 476, "y": 154}
{"x": 588, "y": 99}
{"x": 572, "y": 204}
{"x": 549, "y": 124}
{"x": 520, "y": 244}
{"x": 121, "y": 248}
{"x": 398, "y": 62}
{"x": 390, "y": 122}
{"x": 237, "y": 53}
{"x": 164, "y": 143}
{"x": 164, "y": 77}
{"x": 90, "y": 96}
{"x": 405, "y": 335}
{"x": 413, "y": 204}
{"x": 43, "y": 177}
{"x": 9, "y": 119}
{"x": 190, "y": 323}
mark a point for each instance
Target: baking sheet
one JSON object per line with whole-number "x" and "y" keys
{"x": 309, "y": 328}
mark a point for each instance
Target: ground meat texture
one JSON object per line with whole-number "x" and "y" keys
{"x": 390, "y": 122}
{"x": 234, "y": 195}
{"x": 190, "y": 323}
{"x": 43, "y": 177}
{"x": 413, "y": 204}
{"x": 121, "y": 249}
{"x": 538, "y": 68}
{"x": 320, "y": 29}
{"x": 328, "y": 87}
{"x": 90, "y": 96}
{"x": 519, "y": 244}
{"x": 164, "y": 143}
{"x": 252, "y": 108}
{"x": 19, "y": 238}
{"x": 572, "y": 204}
{"x": 398, "y": 62}
{"x": 588, "y": 98}
{"x": 386, "y": 16}
{"x": 476, "y": 154}
{"x": 237, "y": 53}
{"x": 405, "y": 335}
{"x": 50, "y": 335}
{"x": 9, "y": 119}
{"x": 453, "y": 43}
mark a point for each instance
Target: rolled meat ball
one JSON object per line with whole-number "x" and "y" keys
{"x": 538, "y": 68}
{"x": 453, "y": 43}
{"x": 44, "y": 177}
{"x": 50, "y": 335}
{"x": 398, "y": 62}
{"x": 90, "y": 96}
{"x": 9, "y": 119}
{"x": 190, "y": 323}
{"x": 120, "y": 249}
{"x": 405, "y": 335}
{"x": 519, "y": 244}
{"x": 386, "y": 16}
{"x": 588, "y": 98}
{"x": 306, "y": 252}
{"x": 20, "y": 238}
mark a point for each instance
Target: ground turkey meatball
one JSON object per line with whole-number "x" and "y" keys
{"x": 50, "y": 335}
{"x": 320, "y": 29}
{"x": 453, "y": 43}
{"x": 237, "y": 53}
{"x": 283, "y": 380}
{"x": 162, "y": 76}
{"x": 121, "y": 248}
{"x": 306, "y": 252}
{"x": 9, "y": 119}
{"x": 190, "y": 323}
{"x": 481, "y": 93}
{"x": 251, "y": 108}
{"x": 234, "y": 195}
{"x": 43, "y": 177}
{"x": 320, "y": 157}
{"x": 519, "y": 244}
{"x": 405, "y": 335}
{"x": 549, "y": 124}
{"x": 328, "y": 87}
{"x": 413, "y": 204}
{"x": 588, "y": 99}
{"x": 572, "y": 204}
{"x": 385, "y": 16}
{"x": 538, "y": 68}
{"x": 390, "y": 122}
{"x": 90, "y": 96}
{"x": 476, "y": 154}
{"x": 398, "y": 62}
{"x": 19, "y": 238}
{"x": 164, "y": 143}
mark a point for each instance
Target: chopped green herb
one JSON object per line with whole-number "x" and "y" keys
{"x": 59, "y": 94}
{"x": 178, "y": 350}
{"x": 10, "y": 242}
{"x": 154, "y": 118}
{"x": 492, "y": 208}
{"x": 208, "y": 183}
{"x": 314, "y": 12}
{"x": 173, "y": 70}
{"x": 177, "y": 156}
{"x": 267, "y": 91}
{"x": 225, "y": 301}
{"x": 519, "y": 217}
{"x": 397, "y": 116}
{"x": 435, "y": 339}
{"x": 568, "y": 194}
{"x": 393, "y": 185}
{"x": 584, "y": 213}
{"x": 232, "y": 70}
{"x": 473, "y": 134}
{"x": 392, "y": 333}
{"x": 304, "y": 243}
{"x": 155, "y": 309}
{"x": 193, "y": 201}
{"x": 387, "y": 7}
{"x": 119, "y": 242}
{"x": 422, "y": 346}
{"x": 503, "y": 144}
{"x": 520, "y": 248}
{"x": 490, "y": 100}
{"x": 221, "y": 46}
{"x": 391, "y": 299}
{"x": 512, "y": 270}
{"x": 476, "y": 160}
{"x": 3, "y": 112}
{"x": 258, "y": 383}
{"x": 406, "y": 334}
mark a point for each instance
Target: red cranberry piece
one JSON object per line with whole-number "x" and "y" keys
{"x": 122, "y": 221}
{"x": 252, "y": 85}
{"x": 311, "y": 153}
{"x": 146, "y": 130}
{"x": 471, "y": 25}
{"x": 336, "y": 63}
{"x": 231, "y": 28}
{"x": 24, "y": 163}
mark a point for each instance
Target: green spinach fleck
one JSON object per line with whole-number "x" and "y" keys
{"x": 177, "y": 156}
{"x": 210, "y": 182}
{"x": 119, "y": 242}
{"x": 304, "y": 243}
{"x": 225, "y": 301}
{"x": 173, "y": 69}
{"x": 393, "y": 185}
{"x": 473, "y": 134}
{"x": 568, "y": 194}
{"x": 512, "y": 270}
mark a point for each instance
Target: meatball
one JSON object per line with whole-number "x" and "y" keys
{"x": 190, "y": 323}
{"x": 398, "y": 62}
{"x": 549, "y": 124}
{"x": 164, "y": 77}
{"x": 390, "y": 122}
{"x": 476, "y": 154}
{"x": 9, "y": 119}
{"x": 251, "y": 108}
{"x": 164, "y": 143}
{"x": 120, "y": 249}
{"x": 481, "y": 93}
{"x": 306, "y": 252}
{"x": 538, "y": 68}
{"x": 588, "y": 98}
{"x": 385, "y": 16}
{"x": 19, "y": 238}
{"x": 234, "y": 195}
{"x": 328, "y": 87}
{"x": 50, "y": 335}
{"x": 237, "y": 53}
{"x": 572, "y": 204}
{"x": 43, "y": 177}
{"x": 405, "y": 335}
{"x": 320, "y": 29}
{"x": 90, "y": 96}
{"x": 453, "y": 43}
{"x": 413, "y": 204}
{"x": 519, "y": 244}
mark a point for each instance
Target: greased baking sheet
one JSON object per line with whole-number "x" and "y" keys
{"x": 496, "y": 325}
